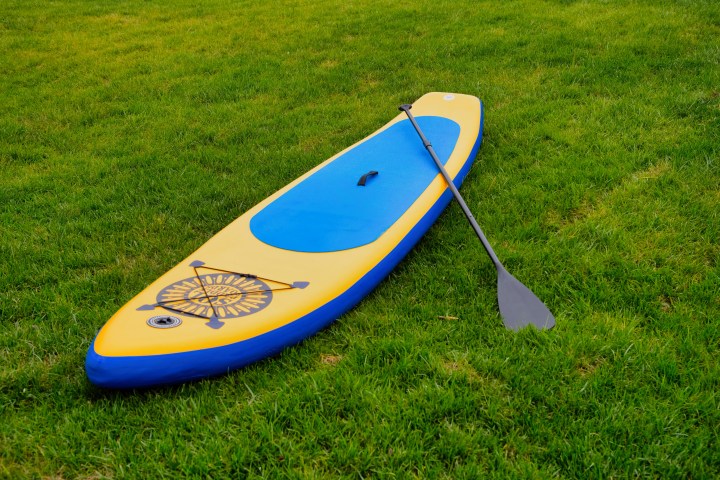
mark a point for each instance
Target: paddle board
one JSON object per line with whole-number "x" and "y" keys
{"x": 295, "y": 262}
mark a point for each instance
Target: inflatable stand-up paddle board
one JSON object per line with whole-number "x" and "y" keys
{"x": 295, "y": 262}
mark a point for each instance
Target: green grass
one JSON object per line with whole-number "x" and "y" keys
{"x": 131, "y": 132}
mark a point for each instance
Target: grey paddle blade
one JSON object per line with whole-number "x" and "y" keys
{"x": 519, "y": 306}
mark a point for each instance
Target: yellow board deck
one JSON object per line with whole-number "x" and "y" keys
{"x": 295, "y": 262}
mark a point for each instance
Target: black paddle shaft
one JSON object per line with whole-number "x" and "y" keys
{"x": 406, "y": 108}
{"x": 519, "y": 307}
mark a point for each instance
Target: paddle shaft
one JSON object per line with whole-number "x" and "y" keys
{"x": 491, "y": 253}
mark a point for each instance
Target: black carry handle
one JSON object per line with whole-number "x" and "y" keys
{"x": 364, "y": 178}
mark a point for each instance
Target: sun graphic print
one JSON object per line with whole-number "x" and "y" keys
{"x": 224, "y": 295}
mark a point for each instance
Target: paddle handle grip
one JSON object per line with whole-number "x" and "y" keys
{"x": 456, "y": 193}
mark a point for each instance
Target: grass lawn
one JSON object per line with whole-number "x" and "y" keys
{"x": 132, "y": 131}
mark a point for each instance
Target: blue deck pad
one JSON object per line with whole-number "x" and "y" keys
{"x": 328, "y": 211}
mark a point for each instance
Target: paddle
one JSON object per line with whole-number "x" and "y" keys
{"x": 519, "y": 306}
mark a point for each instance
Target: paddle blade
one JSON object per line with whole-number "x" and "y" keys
{"x": 519, "y": 306}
